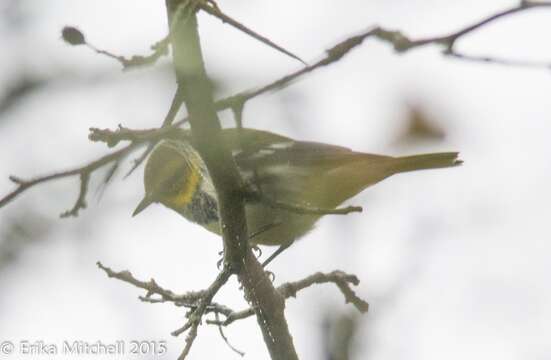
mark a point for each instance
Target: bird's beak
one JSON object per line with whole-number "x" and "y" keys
{"x": 146, "y": 201}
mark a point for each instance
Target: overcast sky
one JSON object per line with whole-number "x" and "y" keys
{"x": 453, "y": 262}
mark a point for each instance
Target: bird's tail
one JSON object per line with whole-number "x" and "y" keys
{"x": 427, "y": 161}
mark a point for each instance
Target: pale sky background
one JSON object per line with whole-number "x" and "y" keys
{"x": 454, "y": 263}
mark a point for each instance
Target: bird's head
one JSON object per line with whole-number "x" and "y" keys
{"x": 172, "y": 176}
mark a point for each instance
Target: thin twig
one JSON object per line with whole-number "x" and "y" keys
{"x": 337, "y": 277}
{"x": 108, "y": 177}
{"x": 332, "y": 55}
{"x": 189, "y": 299}
{"x": 196, "y": 316}
{"x": 500, "y": 61}
{"x": 23, "y": 185}
{"x": 301, "y": 209}
{"x": 304, "y": 209}
{"x": 75, "y": 37}
{"x": 176, "y": 104}
{"x": 402, "y": 43}
{"x": 152, "y": 288}
{"x": 201, "y": 301}
{"x": 225, "y": 338}
{"x": 81, "y": 200}
{"x": 139, "y": 160}
{"x": 216, "y": 12}
{"x": 160, "y": 48}
{"x": 237, "y": 101}
{"x": 112, "y": 138}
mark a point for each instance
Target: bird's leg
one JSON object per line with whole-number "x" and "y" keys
{"x": 264, "y": 228}
{"x": 255, "y": 247}
{"x": 276, "y": 253}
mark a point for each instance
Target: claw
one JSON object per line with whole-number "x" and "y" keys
{"x": 257, "y": 249}
{"x": 270, "y": 274}
{"x": 220, "y": 262}
{"x": 279, "y": 250}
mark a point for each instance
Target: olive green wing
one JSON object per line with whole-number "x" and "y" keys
{"x": 256, "y": 148}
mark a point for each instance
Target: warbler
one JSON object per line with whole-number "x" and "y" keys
{"x": 300, "y": 174}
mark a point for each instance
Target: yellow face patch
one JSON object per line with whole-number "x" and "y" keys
{"x": 188, "y": 189}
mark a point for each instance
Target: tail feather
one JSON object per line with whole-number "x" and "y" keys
{"x": 427, "y": 161}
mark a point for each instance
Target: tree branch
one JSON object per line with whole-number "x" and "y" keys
{"x": 152, "y": 288}
{"x": 216, "y": 12}
{"x": 236, "y": 101}
{"x": 84, "y": 172}
{"x": 287, "y": 290}
{"x": 302, "y": 209}
{"x": 196, "y": 316}
{"x": 75, "y": 37}
{"x": 400, "y": 42}
{"x": 199, "y": 303}
{"x": 238, "y": 258}
{"x": 81, "y": 200}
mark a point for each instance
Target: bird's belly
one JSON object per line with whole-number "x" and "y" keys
{"x": 266, "y": 225}
{"x": 272, "y": 226}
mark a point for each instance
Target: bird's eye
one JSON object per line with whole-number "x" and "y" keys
{"x": 174, "y": 183}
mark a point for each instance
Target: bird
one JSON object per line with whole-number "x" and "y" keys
{"x": 290, "y": 176}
